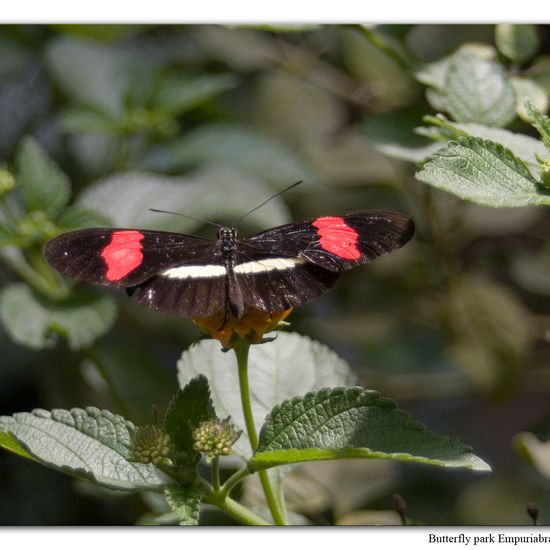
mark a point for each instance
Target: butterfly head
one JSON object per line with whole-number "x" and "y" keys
{"x": 228, "y": 238}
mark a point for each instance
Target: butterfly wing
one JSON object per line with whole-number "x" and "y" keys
{"x": 337, "y": 243}
{"x": 144, "y": 262}
{"x": 295, "y": 263}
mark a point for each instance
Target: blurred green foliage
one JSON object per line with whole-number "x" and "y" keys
{"x": 101, "y": 123}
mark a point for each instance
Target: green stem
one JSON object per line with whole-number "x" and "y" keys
{"x": 215, "y": 470}
{"x": 381, "y": 43}
{"x": 236, "y": 478}
{"x": 235, "y": 510}
{"x": 242, "y": 348}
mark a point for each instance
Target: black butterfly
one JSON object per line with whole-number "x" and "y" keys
{"x": 192, "y": 276}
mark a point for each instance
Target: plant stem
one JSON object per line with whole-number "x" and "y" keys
{"x": 242, "y": 348}
{"x": 215, "y": 469}
{"x": 233, "y": 480}
{"x": 234, "y": 509}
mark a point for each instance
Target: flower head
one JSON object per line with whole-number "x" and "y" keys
{"x": 150, "y": 445}
{"x": 252, "y": 325}
{"x": 215, "y": 437}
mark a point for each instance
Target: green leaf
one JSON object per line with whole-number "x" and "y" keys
{"x": 394, "y": 135}
{"x": 278, "y": 370}
{"x": 88, "y": 119}
{"x": 86, "y": 443}
{"x": 536, "y": 452}
{"x": 477, "y": 90}
{"x": 9, "y": 442}
{"x": 36, "y": 322}
{"x": 540, "y": 121}
{"x": 185, "y": 502}
{"x": 178, "y": 94}
{"x": 484, "y": 172}
{"x": 75, "y": 217}
{"x": 8, "y": 237}
{"x": 525, "y": 147}
{"x": 190, "y": 406}
{"x": 517, "y": 42}
{"x": 136, "y": 377}
{"x": 492, "y": 332}
{"x": 126, "y": 198}
{"x": 229, "y": 145}
{"x": 527, "y": 88}
{"x": 353, "y": 423}
{"x": 43, "y": 184}
{"x": 91, "y": 73}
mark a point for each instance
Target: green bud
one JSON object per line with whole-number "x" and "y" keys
{"x": 215, "y": 437}
{"x": 150, "y": 445}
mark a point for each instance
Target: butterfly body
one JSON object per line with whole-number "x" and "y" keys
{"x": 191, "y": 276}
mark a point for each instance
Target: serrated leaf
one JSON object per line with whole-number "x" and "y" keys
{"x": 87, "y": 443}
{"x": 178, "y": 94}
{"x": 525, "y": 147}
{"x": 229, "y": 145}
{"x": 277, "y": 370}
{"x": 484, "y": 172}
{"x": 492, "y": 332}
{"x": 477, "y": 90}
{"x": 36, "y": 322}
{"x": 517, "y": 42}
{"x": 540, "y": 121}
{"x": 353, "y": 423}
{"x": 127, "y": 197}
{"x": 185, "y": 502}
{"x": 190, "y": 406}
{"x": 43, "y": 184}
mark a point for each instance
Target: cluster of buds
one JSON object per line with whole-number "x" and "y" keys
{"x": 215, "y": 437}
{"x": 150, "y": 445}
{"x": 252, "y": 325}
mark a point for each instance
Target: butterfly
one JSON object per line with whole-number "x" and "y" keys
{"x": 191, "y": 276}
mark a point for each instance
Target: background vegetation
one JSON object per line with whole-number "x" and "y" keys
{"x": 209, "y": 121}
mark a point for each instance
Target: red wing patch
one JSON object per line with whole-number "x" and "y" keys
{"x": 122, "y": 254}
{"x": 337, "y": 237}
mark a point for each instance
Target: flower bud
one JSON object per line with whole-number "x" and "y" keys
{"x": 215, "y": 437}
{"x": 150, "y": 445}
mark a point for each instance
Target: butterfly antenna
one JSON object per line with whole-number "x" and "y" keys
{"x": 267, "y": 200}
{"x": 186, "y": 216}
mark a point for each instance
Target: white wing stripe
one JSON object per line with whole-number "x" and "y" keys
{"x": 269, "y": 264}
{"x": 195, "y": 272}
{"x": 211, "y": 271}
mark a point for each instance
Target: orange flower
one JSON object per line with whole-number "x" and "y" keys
{"x": 252, "y": 325}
